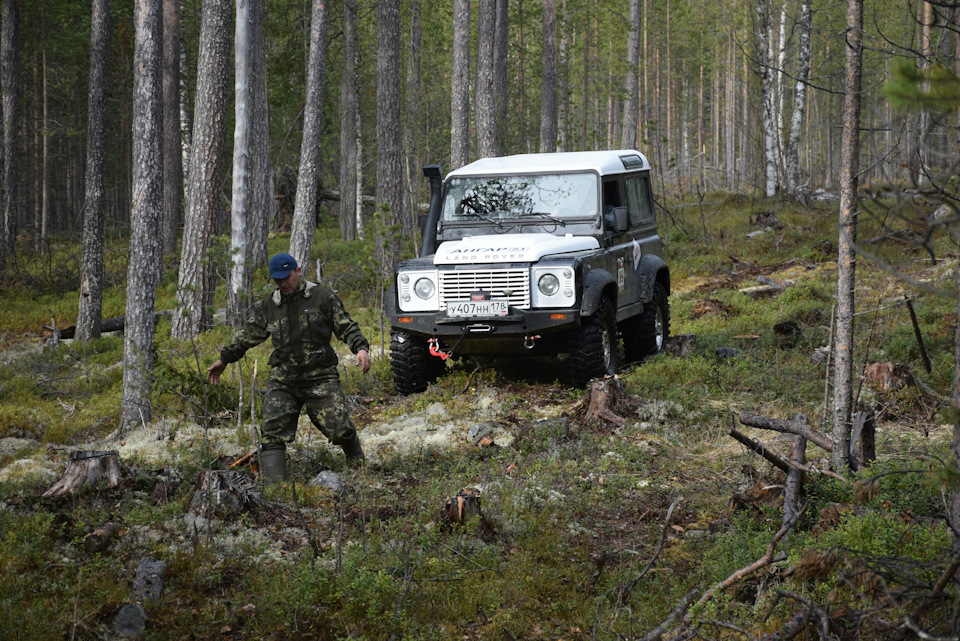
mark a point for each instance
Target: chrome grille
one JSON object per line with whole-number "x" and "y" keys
{"x": 457, "y": 285}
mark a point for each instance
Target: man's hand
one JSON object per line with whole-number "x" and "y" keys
{"x": 363, "y": 360}
{"x": 214, "y": 372}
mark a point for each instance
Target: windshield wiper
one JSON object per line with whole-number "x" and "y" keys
{"x": 550, "y": 217}
{"x": 484, "y": 217}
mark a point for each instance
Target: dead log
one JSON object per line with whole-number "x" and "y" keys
{"x": 604, "y": 395}
{"x": 99, "y": 469}
{"x": 226, "y": 494}
{"x": 794, "y": 485}
{"x": 799, "y": 426}
{"x": 99, "y": 539}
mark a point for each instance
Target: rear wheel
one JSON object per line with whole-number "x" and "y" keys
{"x": 594, "y": 349}
{"x": 412, "y": 364}
{"x": 646, "y": 334}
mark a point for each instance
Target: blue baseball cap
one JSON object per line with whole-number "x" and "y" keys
{"x": 281, "y": 265}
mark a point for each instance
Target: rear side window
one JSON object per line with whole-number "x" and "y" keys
{"x": 638, "y": 200}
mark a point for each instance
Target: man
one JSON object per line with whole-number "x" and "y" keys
{"x": 299, "y": 317}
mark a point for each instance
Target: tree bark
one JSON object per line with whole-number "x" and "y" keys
{"x": 846, "y": 260}
{"x": 10, "y": 88}
{"x": 87, "y": 468}
{"x": 460, "y": 86}
{"x": 628, "y": 132}
{"x": 237, "y": 299}
{"x": 349, "y": 115}
{"x": 501, "y": 63}
{"x": 146, "y": 241}
{"x": 799, "y": 102}
{"x": 206, "y": 169}
{"x": 548, "y": 84}
{"x": 91, "y": 270}
{"x": 305, "y": 208}
{"x": 389, "y": 143}
{"x": 172, "y": 158}
{"x": 487, "y": 130}
{"x": 768, "y": 82}
{"x": 414, "y": 139}
{"x": 261, "y": 202}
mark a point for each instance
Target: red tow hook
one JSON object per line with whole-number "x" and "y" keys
{"x": 434, "y": 345}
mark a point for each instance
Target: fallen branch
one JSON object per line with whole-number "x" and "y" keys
{"x": 812, "y": 608}
{"x": 794, "y": 484}
{"x": 243, "y": 460}
{"x": 680, "y": 609}
{"x": 656, "y": 552}
{"x": 777, "y": 459}
{"x": 799, "y": 426}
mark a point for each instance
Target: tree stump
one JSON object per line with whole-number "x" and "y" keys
{"x": 462, "y": 507}
{"x": 100, "y": 469}
{"x": 226, "y": 493}
{"x": 605, "y": 394}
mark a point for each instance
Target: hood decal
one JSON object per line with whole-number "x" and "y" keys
{"x": 509, "y": 248}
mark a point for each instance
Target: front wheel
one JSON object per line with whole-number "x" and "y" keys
{"x": 412, "y": 364}
{"x": 594, "y": 349}
{"x": 646, "y": 334}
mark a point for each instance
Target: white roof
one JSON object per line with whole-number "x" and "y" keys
{"x": 602, "y": 162}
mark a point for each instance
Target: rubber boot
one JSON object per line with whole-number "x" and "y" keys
{"x": 273, "y": 462}
{"x": 354, "y": 452}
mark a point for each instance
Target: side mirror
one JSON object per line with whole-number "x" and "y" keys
{"x": 621, "y": 219}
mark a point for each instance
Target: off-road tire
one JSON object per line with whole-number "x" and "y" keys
{"x": 646, "y": 334}
{"x": 411, "y": 363}
{"x": 594, "y": 348}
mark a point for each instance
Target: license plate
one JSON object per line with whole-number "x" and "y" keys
{"x": 477, "y": 308}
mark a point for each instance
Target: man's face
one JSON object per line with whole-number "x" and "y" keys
{"x": 289, "y": 283}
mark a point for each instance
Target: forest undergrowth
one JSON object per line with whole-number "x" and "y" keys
{"x": 656, "y": 525}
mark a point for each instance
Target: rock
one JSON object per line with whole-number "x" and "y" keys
{"x": 727, "y": 352}
{"x": 681, "y": 345}
{"x": 148, "y": 581}
{"x": 754, "y": 234}
{"x": 943, "y": 211}
{"x": 330, "y": 480}
{"x": 130, "y": 621}
{"x": 479, "y": 431}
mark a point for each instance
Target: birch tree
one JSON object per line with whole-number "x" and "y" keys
{"x": 91, "y": 267}
{"x": 349, "y": 124}
{"x": 460, "y": 86}
{"x": 764, "y": 36}
{"x": 799, "y": 102}
{"x": 146, "y": 242}
{"x": 195, "y": 279}
{"x": 846, "y": 259}
{"x": 241, "y": 160}
{"x": 305, "y": 207}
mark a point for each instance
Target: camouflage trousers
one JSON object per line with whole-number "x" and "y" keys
{"x": 326, "y": 406}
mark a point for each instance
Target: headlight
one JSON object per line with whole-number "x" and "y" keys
{"x": 549, "y": 284}
{"x": 424, "y": 288}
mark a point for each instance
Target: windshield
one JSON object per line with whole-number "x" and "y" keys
{"x": 541, "y": 197}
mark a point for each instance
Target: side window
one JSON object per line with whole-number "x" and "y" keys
{"x": 638, "y": 200}
{"x": 611, "y": 200}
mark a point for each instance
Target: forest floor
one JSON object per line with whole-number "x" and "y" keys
{"x": 490, "y": 506}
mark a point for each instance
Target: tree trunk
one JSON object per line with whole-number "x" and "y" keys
{"x": 305, "y": 208}
{"x": 261, "y": 203}
{"x": 10, "y": 89}
{"x": 846, "y": 260}
{"x": 628, "y": 132}
{"x": 238, "y": 294}
{"x": 799, "y": 101}
{"x": 563, "y": 83}
{"x": 186, "y": 135}
{"x": 460, "y": 86}
{"x": 548, "y": 86}
{"x": 41, "y": 233}
{"x": 348, "y": 123}
{"x": 146, "y": 241}
{"x": 487, "y": 127}
{"x": 172, "y": 159}
{"x": 206, "y": 169}
{"x": 764, "y": 48}
{"x": 84, "y": 469}
{"x": 501, "y": 63}
{"x": 389, "y": 144}
{"x": 414, "y": 139}
{"x": 91, "y": 274}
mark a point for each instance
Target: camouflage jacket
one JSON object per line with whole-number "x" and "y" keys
{"x": 300, "y": 325}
